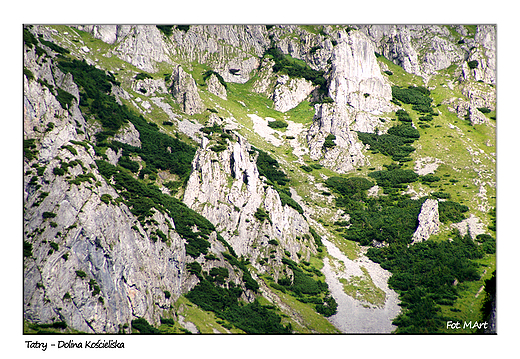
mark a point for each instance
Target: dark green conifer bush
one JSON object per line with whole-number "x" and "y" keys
{"x": 329, "y": 141}
{"x": 277, "y": 124}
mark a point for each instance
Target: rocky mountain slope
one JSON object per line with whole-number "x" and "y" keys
{"x": 251, "y": 178}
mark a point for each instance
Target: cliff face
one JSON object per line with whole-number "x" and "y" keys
{"x": 227, "y": 189}
{"x": 93, "y": 264}
{"x": 83, "y": 234}
{"x": 424, "y": 50}
{"x": 121, "y": 220}
{"x": 360, "y": 95}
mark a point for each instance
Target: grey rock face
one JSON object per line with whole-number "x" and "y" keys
{"x": 216, "y": 88}
{"x": 231, "y": 50}
{"x": 347, "y": 154}
{"x": 428, "y": 221}
{"x": 140, "y": 45}
{"x": 440, "y": 53}
{"x": 227, "y": 190}
{"x": 143, "y": 47}
{"x": 396, "y": 46}
{"x": 103, "y": 242}
{"x": 184, "y": 90}
{"x": 129, "y": 135}
{"x": 423, "y": 50}
{"x": 150, "y": 86}
{"x": 106, "y": 33}
{"x": 266, "y": 81}
{"x": 355, "y": 72}
{"x": 485, "y": 55}
{"x": 360, "y": 93}
{"x": 472, "y": 226}
{"x": 288, "y": 92}
{"x": 466, "y": 110}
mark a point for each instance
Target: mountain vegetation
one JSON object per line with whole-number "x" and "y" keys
{"x": 160, "y": 206}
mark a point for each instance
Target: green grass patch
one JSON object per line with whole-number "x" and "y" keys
{"x": 363, "y": 288}
{"x": 205, "y": 321}
{"x": 303, "y": 113}
{"x": 312, "y": 321}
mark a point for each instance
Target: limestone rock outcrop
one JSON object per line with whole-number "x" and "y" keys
{"x": 184, "y": 90}
{"x": 150, "y": 87}
{"x": 128, "y": 134}
{"x": 360, "y": 95}
{"x": 140, "y": 45}
{"x": 92, "y": 262}
{"x": 347, "y": 153}
{"x": 231, "y": 50}
{"x": 288, "y": 92}
{"x": 227, "y": 189}
{"x": 215, "y": 87}
{"x": 428, "y": 221}
{"x": 471, "y": 225}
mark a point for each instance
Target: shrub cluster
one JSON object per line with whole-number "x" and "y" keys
{"x": 261, "y": 215}
{"x": 64, "y": 98}
{"x": 27, "y": 249}
{"x": 46, "y": 215}
{"x": 423, "y": 274}
{"x": 452, "y": 212}
{"x": 473, "y": 64}
{"x": 82, "y": 178}
{"x": 252, "y": 317}
{"x": 307, "y": 289}
{"x": 43, "y": 328}
{"x": 395, "y": 143}
{"x": 394, "y": 177}
{"x": 277, "y": 124}
{"x": 402, "y": 115}
{"x": 143, "y": 327}
{"x": 29, "y": 149}
{"x": 286, "y": 199}
{"x": 428, "y": 178}
{"x": 270, "y": 168}
{"x": 218, "y": 275}
{"x": 142, "y": 76}
{"x": 81, "y": 274}
{"x": 184, "y": 28}
{"x": 53, "y": 46}
{"x": 417, "y": 96}
{"x": 316, "y": 237}
{"x": 488, "y": 243}
{"x": 350, "y": 186}
{"x": 329, "y": 141}
{"x": 28, "y": 38}
{"x": 404, "y": 130}
{"x": 95, "y": 88}
{"x": 167, "y": 321}
{"x": 166, "y": 29}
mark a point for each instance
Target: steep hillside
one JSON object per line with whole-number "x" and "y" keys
{"x": 258, "y": 179}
